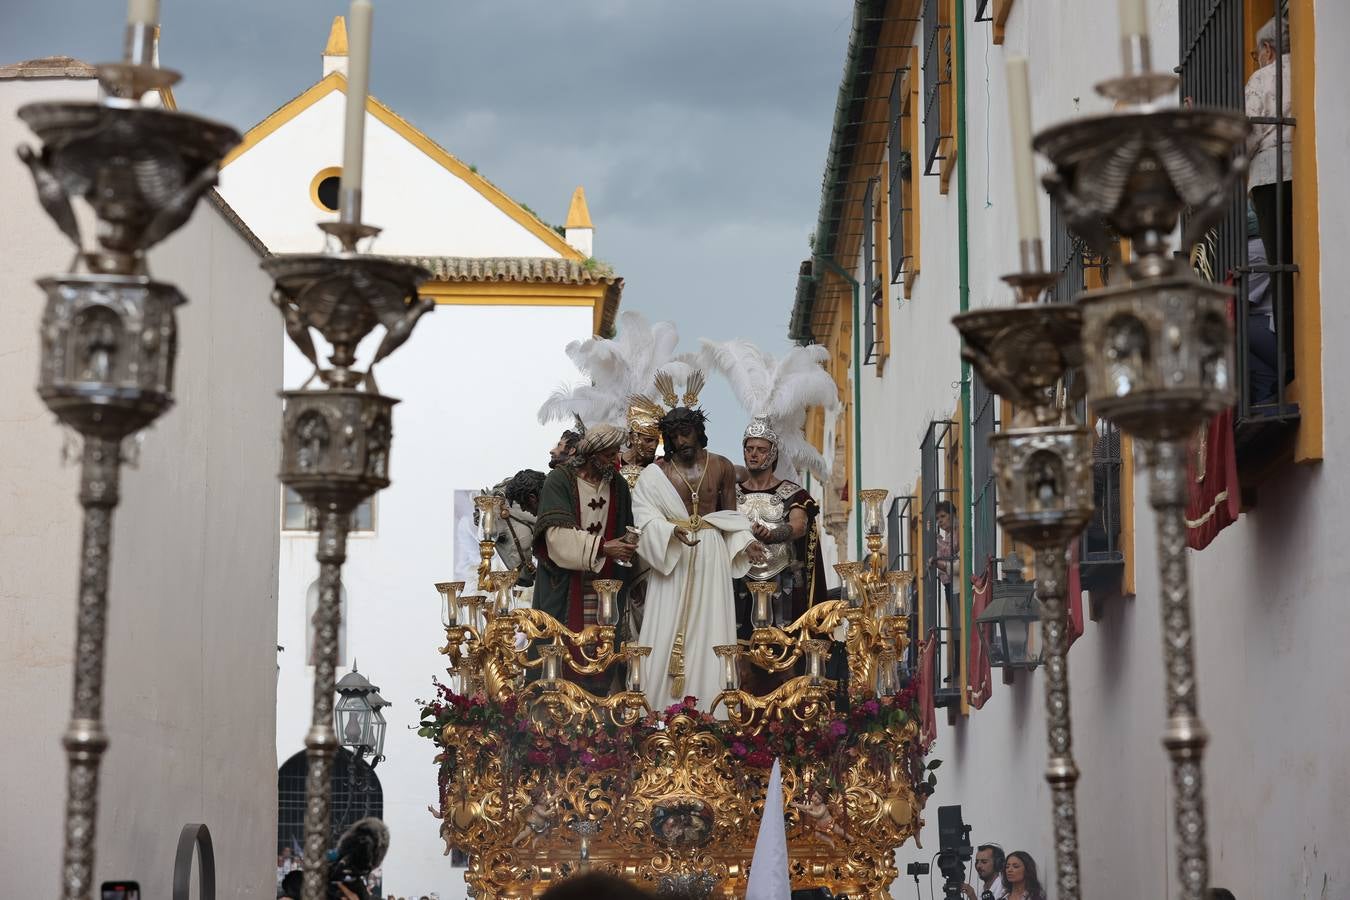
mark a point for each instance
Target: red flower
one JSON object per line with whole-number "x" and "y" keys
{"x": 759, "y": 759}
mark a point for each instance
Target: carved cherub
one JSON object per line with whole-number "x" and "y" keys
{"x": 820, "y": 817}
{"x": 538, "y": 819}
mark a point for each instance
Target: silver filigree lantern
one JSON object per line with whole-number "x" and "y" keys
{"x": 1028, "y": 354}
{"x": 1158, "y": 351}
{"x": 336, "y": 445}
{"x": 109, "y": 339}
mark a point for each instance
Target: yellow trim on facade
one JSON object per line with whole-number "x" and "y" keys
{"x": 909, "y": 138}
{"x": 947, "y": 105}
{"x": 336, "y": 81}
{"x": 464, "y": 293}
{"x": 1306, "y": 388}
{"x": 317, "y": 180}
{"x": 1127, "y": 588}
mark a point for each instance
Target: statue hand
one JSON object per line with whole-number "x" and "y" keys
{"x": 686, "y": 537}
{"x": 757, "y": 552}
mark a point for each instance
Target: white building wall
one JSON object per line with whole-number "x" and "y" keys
{"x": 423, "y": 209}
{"x": 190, "y": 681}
{"x": 470, "y": 379}
{"x": 1267, "y": 592}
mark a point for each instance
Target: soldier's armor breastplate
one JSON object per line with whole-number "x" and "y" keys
{"x": 769, "y": 508}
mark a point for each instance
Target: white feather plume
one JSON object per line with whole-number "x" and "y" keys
{"x": 781, "y": 388}
{"x": 614, "y": 370}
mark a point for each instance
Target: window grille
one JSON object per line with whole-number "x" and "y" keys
{"x": 356, "y": 794}
{"x": 984, "y": 505}
{"x": 900, "y": 535}
{"x": 897, "y": 156}
{"x": 943, "y": 570}
{"x": 871, "y": 343}
{"x": 937, "y": 78}
{"x": 1101, "y": 559}
{"x": 1214, "y": 71}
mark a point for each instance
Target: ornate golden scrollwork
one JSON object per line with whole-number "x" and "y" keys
{"x": 542, "y": 778}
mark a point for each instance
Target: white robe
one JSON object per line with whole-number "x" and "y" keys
{"x": 720, "y": 558}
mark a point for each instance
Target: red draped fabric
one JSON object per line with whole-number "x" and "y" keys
{"x": 927, "y": 682}
{"x": 1211, "y": 468}
{"x": 1074, "y": 590}
{"x": 979, "y": 676}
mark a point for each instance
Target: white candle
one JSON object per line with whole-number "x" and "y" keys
{"x": 142, "y": 12}
{"x": 358, "y": 85}
{"x": 1023, "y": 165}
{"x": 1133, "y": 18}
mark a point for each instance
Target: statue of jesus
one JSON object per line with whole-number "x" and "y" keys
{"x": 696, "y": 543}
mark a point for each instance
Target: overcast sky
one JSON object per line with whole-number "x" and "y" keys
{"x": 698, "y": 128}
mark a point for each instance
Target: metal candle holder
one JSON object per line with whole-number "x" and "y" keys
{"x": 1027, "y": 353}
{"x": 1159, "y": 351}
{"x": 336, "y": 443}
{"x": 109, "y": 339}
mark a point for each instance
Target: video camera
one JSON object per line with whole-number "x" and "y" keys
{"x": 954, "y": 849}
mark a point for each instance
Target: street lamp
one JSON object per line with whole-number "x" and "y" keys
{"x": 1014, "y": 617}
{"x": 358, "y": 717}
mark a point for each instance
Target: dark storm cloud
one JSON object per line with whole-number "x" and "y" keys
{"x": 698, "y": 128}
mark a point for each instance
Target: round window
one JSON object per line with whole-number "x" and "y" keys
{"x": 325, "y": 189}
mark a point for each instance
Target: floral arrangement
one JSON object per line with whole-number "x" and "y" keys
{"x": 828, "y": 744}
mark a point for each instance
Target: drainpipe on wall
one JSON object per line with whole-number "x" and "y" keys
{"x": 857, "y": 402}
{"x": 963, "y": 257}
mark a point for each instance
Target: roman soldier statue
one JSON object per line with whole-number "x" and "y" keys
{"x": 777, "y": 392}
{"x": 782, "y": 517}
{"x": 644, "y": 436}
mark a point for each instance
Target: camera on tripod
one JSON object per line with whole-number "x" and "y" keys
{"x": 954, "y": 849}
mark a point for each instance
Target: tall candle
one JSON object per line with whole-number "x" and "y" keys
{"x": 1023, "y": 166}
{"x": 142, "y": 12}
{"x": 1133, "y": 18}
{"x": 358, "y": 85}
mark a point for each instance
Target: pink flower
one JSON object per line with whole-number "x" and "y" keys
{"x": 838, "y": 729}
{"x": 738, "y": 749}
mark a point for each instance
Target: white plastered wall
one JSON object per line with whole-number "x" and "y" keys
{"x": 469, "y": 379}
{"x": 423, "y": 208}
{"x": 1268, "y": 592}
{"x": 190, "y": 680}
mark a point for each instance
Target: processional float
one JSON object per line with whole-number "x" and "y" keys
{"x": 540, "y": 778}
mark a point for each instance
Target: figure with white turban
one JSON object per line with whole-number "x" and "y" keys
{"x": 581, "y": 532}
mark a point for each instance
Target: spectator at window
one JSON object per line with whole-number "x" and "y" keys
{"x": 945, "y": 563}
{"x": 1270, "y": 177}
{"x": 1263, "y": 359}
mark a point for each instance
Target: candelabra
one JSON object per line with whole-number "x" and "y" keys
{"x": 1158, "y": 352}
{"x": 1028, "y": 353}
{"x": 109, "y": 339}
{"x": 336, "y": 443}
